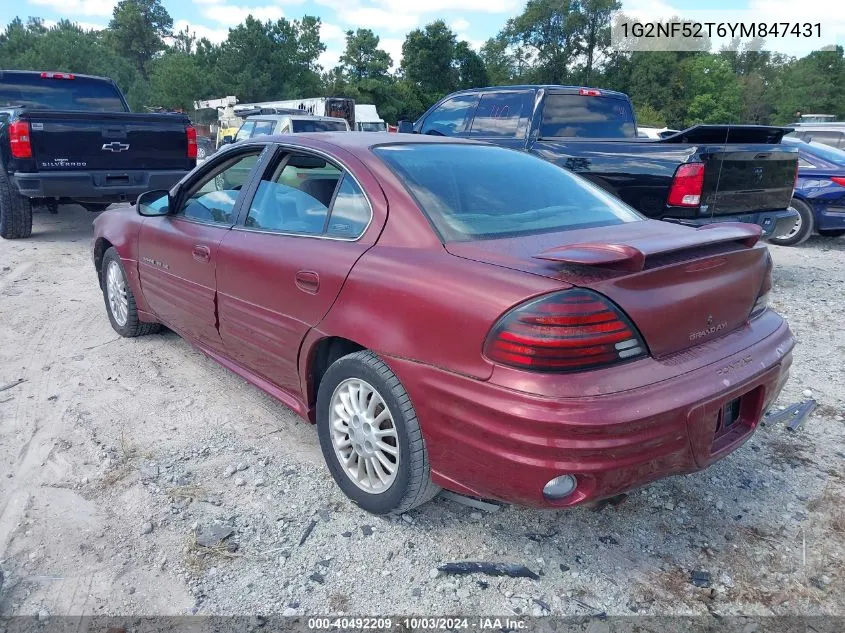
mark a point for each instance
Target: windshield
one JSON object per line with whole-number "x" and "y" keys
{"x": 79, "y": 93}
{"x": 316, "y": 125}
{"x": 474, "y": 192}
{"x": 379, "y": 126}
{"x": 587, "y": 117}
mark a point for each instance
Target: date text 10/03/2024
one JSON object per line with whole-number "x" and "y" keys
{"x": 417, "y": 623}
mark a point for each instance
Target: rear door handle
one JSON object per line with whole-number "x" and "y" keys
{"x": 201, "y": 253}
{"x": 308, "y": 281}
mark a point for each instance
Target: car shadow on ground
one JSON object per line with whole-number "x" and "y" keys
{"x": 71, "y": 224}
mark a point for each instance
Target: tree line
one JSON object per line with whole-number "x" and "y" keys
{"x": 550, "y": 42}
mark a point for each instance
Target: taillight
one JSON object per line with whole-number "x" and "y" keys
{"x": 762, "y": 301}
{"x": 191, "y": 136}
{"x": 687, "y": 186}
{"x": 19, "y": 140}
{"x": 571, "y": 330}
{"x": 58, "y": 76}
{"x": 589, "y": 92}
{"x": 839, "y": 180}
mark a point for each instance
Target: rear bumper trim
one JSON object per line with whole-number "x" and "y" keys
{"x": 113, "y": 186}
{"x": 773, "y": 223}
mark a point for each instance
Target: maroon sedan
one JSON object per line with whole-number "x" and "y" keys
{"x": 456, "y": 315}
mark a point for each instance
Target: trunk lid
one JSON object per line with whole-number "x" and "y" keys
{"x": 64, "y": 140}
{"x": 746, "y": 169}
{"x": 679, "y": 285}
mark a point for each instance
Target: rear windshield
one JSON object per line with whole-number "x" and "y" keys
{"x": 304, "y": 125}
{"x": 587, "y": 117}
{"x": 372, "y": 127}
{"x": 78, "y": 93}
{"x": 472, "y": 192}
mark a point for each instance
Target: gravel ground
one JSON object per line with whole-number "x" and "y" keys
{"x": 122, "y": 463}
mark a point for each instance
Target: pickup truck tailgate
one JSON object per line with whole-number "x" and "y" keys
{"x": 741, "y": 179}
{"x": 64, "y": 140}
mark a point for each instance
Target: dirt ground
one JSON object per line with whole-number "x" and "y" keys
{"x": 118, "y": 459}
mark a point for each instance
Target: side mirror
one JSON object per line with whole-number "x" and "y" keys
{"x": 228, "y": 139}
{"x": 153, "y": 203}
{"x": 406, "y": 127}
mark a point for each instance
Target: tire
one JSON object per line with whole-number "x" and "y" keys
{"x": 128, "y": 324}
{"x": 15, "y": 211}
{"x": 96, "y": 207}
{"x": 832, "y": 232}
{"x": 411, "y": 484}
{"x": 803, "y": 228}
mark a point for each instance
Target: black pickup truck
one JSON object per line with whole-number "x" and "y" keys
{"x": 71, "y": 138}
{"x": 708, "y": 173}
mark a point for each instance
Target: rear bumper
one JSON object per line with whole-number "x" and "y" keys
{"x": 494, "y": 442}
{"x": 773, "y": 223}
{"x": 107, "y": 186}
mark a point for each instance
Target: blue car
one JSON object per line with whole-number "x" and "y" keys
{"x": 819, "y": 194}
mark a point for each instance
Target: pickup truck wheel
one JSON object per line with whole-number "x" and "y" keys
{"x": 370, "y": 436}
{"x": 120, "y": 302}
{"x": 831, "y": 232}
{"x": 802, "y": 229}
{"x": 15, "y": 211}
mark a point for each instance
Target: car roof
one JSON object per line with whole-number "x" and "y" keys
{"x": 353, "y": 141}
{"x": 548, "y": 87}
{"x": 293, "y": 117}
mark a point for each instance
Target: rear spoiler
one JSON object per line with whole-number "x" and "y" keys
{"x": 716, "y": 134}
{"x": 631, "y": 257}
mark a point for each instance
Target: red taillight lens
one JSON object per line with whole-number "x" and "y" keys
{"x": 19, "y": 140}
{"x": 839, "y": 180}
{"x": 191, "y": 136}
{"x": 571, "y": 330}
{"x": 589, "y": 92}
{"x": 687, "y": 186}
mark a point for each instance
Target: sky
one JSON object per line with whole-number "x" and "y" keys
{"x": 472, "y": 20}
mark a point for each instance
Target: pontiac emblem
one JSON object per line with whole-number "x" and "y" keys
{"x": 115, "y": 146}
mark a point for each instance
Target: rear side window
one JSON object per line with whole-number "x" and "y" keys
{"x": 481, "y": 191}
{"x": 587, "y": 117}
{"x": 79, "y": 93}
{"x": 450, "y": 117}
{"x": 350, "y": 212}
{"x": 501, "y": 114}
{"x": 316, "y": 125}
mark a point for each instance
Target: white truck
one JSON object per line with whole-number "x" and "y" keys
{"x": 340, "y": 107}
{"x": 367, "y": 119}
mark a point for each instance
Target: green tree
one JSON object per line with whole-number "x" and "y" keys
{"x": 363, "y": 59}
{"x": 176, "y": 81}
{"x": 137, "y": 30}
{"x": 714, "y": 90}
{"x": 428, "y": 59}
{"x": 471, "y": 72}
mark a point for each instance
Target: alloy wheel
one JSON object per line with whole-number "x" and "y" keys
{"x": 116, "y": 291}
{"x": 364, "y": 436}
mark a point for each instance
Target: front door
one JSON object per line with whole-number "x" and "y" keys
{"x": 178, "y": 252}
{"x": 280, "y": 270}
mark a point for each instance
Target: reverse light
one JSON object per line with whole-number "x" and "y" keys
{"x": 589, "y": 92}
{"x": 560, "y": 487}
{"x": 687, "y": 186}
{"x": 573, "y": 330}
{"x": 191, "y": 136}
{"x": 839, "y": 180}
{"x": 19, "y": 139}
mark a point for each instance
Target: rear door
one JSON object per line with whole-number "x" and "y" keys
{"x": 178, "y": 256}
{"x": 503, "y": 118}
{"x": 280, "y": 270}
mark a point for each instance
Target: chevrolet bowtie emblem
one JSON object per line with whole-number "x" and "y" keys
{"x": 115, "y": 146}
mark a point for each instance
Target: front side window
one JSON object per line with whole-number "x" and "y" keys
{"x": 500, "y": 114}
{"x": 481, "y": 191}
{"x": 245, "y": 131}
{"x": 450, "y": 117}
{"x": 263, "y": 128}
{"x": 213, "y": 197}
{"x": 305, "y": 195}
